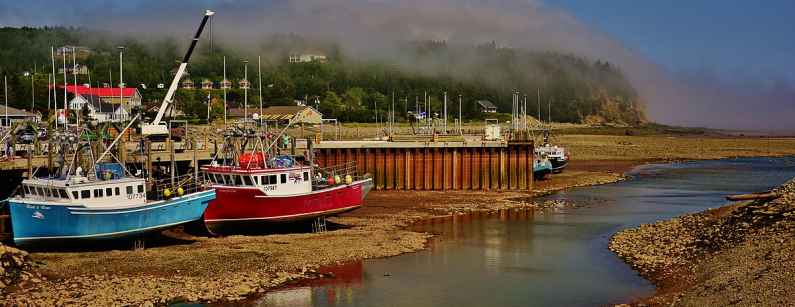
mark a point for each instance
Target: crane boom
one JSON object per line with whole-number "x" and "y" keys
{"x": 155, "y": 128}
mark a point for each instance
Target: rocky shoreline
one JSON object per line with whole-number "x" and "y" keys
{"x": 742, "y": 253}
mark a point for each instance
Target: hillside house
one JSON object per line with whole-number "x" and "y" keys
{"x": 487, "y": 107}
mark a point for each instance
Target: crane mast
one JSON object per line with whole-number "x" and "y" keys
{"x": 156, "y": 128}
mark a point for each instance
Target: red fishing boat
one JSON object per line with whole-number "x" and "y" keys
{"x": 259, "y": 191}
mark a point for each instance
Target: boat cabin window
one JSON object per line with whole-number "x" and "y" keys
{"x": 306, "y": 176}
{"x": 129, "y": 189}
{"x": 284, "y": 178}
{"x": 118, "y": 192}
{"x": 219, "y": 178}
{"x": 238, "y": 181}
{"x": 85, "y": 194}
{"x": 97, "y": 193}
{"x": 140, "y": 188}
{"x": 228, "y": 179}
{"x": 269, "y": 179}
{"x": 109, "y": 191}
{"x": 256, "y": 180}
{"x": 247, "y": 180}
{"x": 26, "y": 190}
{"x": 63, "y": 194}
{"x": 75, "y": 195}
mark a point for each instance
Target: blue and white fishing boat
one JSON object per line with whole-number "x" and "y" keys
{"x": 105, "y": 207}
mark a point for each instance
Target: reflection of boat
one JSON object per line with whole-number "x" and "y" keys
{"x": 330, "y": 290}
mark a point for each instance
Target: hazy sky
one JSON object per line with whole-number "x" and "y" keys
{"x": 715, "y": 63}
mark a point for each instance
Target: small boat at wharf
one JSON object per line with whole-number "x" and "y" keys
{"x": 557, "y": 155}
{"x": 256, "y": 190}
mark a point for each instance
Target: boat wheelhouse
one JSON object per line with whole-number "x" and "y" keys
{"x": 263, "y": 195}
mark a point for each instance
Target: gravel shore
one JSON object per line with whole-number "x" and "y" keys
{"x": 741, "y": 254}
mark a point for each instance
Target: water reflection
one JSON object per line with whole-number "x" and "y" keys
{"x": 329, "y": 291}
{"x": 521, "y": 258}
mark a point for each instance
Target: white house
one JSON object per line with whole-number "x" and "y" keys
{"x": 99, "y": 109}
{"x": 307, "y": 57}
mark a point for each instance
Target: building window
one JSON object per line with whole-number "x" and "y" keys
{"x": 85, "y": 194}
{"x": 284, "y": 178}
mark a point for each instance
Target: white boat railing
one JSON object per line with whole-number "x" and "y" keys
{"x": 342, "y": 170}
{"x": 162, "y": 189}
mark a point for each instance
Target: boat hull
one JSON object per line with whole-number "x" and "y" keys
{"x": 235, "y": 207}
{"x": 558, "y": 164}
{"x": 37, "y": 222}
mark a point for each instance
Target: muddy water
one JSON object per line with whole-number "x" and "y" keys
{"x": 555, "y": 258}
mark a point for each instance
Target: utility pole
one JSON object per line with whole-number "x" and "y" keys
{"x": 539, "y": 107}
{"x": 445, "y": 112}
{"x": 524, "y": 112}
{"x": 121, "y": 77}
{"x": 245, "y": 92}
{"x": 32, "y": 93}
{"x": 74, "y": 77}
{"x": 460, "y": 119}
{"x": 54, "y": 90}
{"x": 65, "y": 108}
{"x": 224, "y": 85}
{"x": 259, "y": 76}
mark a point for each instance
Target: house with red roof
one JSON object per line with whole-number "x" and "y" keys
{"x": 128, "y": 96}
